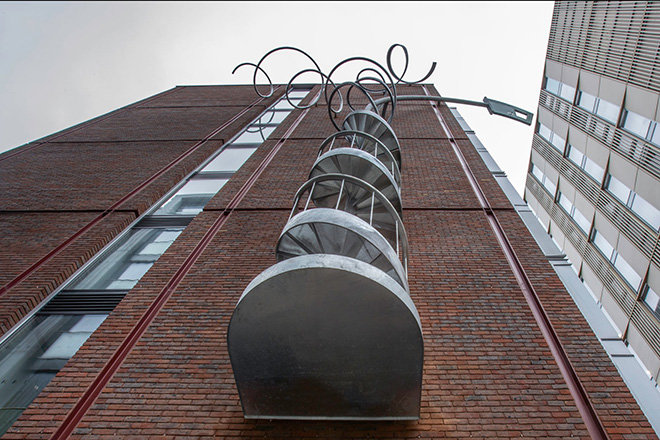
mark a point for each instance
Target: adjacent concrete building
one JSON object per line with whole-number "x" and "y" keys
{"x": 594, "y": 176}
{"x": 129, "y": 240}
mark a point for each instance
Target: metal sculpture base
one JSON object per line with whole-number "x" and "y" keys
{"x": 326, "y": 337}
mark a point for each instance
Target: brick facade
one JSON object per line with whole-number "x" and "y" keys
{"x": 488, "y": 371}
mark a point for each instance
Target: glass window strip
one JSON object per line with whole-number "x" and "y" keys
{"x": 603, "y": 245}
{"x": 627, "y": 272}
{"x": 32, "y": 356}
{"x": 636, "y": 124}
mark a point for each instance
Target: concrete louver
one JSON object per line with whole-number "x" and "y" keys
{"x": 330, "y": 331}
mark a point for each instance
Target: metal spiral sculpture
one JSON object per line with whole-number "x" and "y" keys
{"x": 372, "y": 81}
{"x": 330, "y": 331}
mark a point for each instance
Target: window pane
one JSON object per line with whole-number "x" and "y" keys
{"x": 88, "y": 323}
{"x": 254, "y": 135}
{"x": 65, "y": 346}
{"x": 537, "y": 173}
{"x": 231, "y": 159}
{"x": 652, "y": 300}
{"x": 587, "y": 101}
{"x": 608, "y": 111}
{"x": 298, "y": 94}
{"x": 192, "y": 197}
{"x": 567, "y": 92}
{"x": 130, "y": 276}
{"x": 593, "y": 169}
{"x": 603, "y": 245}
{"x": 34, "y": 355}
{"x": 636, "y": 124}
{"x": 558, "y": 142}
{"x": 618, "y": 189}
{"x": 284, "y": 104}
{"x": 646, "y": 211}
{"x": 272, "y": 117}
{"x": 181, "y": 204}
{"x": 627, "y": 272}
{"x": 565, "y": 203}
{"x": 552, "y": 86}
{"x": 123, "y": 267}
{"x": 582, "y": 221}
{"x": 545, "y": 132}
{"x": 575, "y": 155}
{"x": 656, "y": 134}
{"x": 549, "y": 185}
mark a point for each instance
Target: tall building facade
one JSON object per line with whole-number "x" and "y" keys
{"x": 129, "y": 240}
{"x": 594, "y": 176}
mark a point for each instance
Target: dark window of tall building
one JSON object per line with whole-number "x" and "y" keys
{"x": 32, "y": 356}
{"x": 193, "y": 196}
{"x": 122, "y": 268}
{"x": 545, "y": 180}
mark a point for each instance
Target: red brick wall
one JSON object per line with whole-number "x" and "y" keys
{"x": 488, "y": 371}
{"x": 102, "y": 174}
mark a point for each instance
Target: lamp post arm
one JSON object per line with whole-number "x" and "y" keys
{"x": 494, "y": 107}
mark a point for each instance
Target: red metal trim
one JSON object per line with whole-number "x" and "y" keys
{"x": 116, "y": 360}
{"x": 579, "y": 394}
{"x": 4, "y": 289}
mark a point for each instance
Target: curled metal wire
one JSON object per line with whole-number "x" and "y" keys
{"x": 405, "y": 67}
{"x": 374, "y": 81}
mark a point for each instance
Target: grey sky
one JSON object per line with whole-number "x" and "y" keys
{"x": 63, "y": 63}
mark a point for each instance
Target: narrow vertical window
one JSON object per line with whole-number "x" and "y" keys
{"x": 31, "y": 357}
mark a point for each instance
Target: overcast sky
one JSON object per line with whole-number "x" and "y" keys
{"x": 62, "y": 63}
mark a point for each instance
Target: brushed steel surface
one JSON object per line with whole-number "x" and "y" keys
{"x": 326, "y": 337}
{"x": 329, "y": 231}
{"x": 370, "y": 144}
{"x": 369, "y": 122}
{"x": 355, "y": 196}
{"x": 362, "y": 165}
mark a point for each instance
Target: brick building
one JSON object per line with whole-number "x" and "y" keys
{"x": 129, "y": 239}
